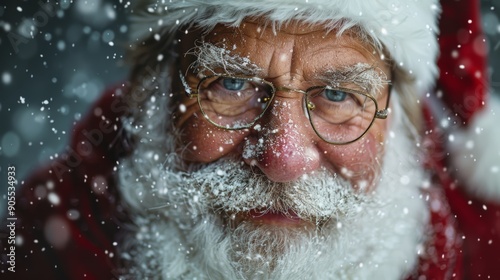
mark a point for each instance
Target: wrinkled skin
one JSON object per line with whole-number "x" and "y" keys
{"x": 287, "y": 146}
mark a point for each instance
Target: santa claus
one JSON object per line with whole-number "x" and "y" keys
{"x": 279, "y": 140}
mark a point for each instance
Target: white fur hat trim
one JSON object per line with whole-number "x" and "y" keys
{"x": 475, "y": 152}
{"x": 406, "y": 28}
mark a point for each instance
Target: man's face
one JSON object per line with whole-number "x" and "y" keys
{"x": 273, "y": 200}
{"x": 282, "y": 144}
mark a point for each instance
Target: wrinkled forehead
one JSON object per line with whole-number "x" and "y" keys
{"x": 253, "y": 31}
{"x": 257, "y": 46}
{"x": 264, "y": 30}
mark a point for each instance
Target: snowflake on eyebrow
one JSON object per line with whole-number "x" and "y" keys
{"x": 366, "y": 76}
{"x": 210, "y": 57}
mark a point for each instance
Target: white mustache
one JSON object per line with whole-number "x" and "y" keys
{"x": 229, "y": 185}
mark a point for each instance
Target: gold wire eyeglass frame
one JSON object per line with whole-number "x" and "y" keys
{"x": 379, "y": 114}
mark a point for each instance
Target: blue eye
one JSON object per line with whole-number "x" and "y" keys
{"x": 335, "y": 95}
{"x": 233, "y": 84}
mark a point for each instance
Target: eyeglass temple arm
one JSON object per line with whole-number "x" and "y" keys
{"x": 382, "y": 114}
{"x": 191, "y": 93}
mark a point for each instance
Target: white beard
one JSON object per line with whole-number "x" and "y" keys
{"x": 182, "y": 229}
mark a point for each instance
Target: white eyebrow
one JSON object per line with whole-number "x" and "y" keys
{"x": 363, "y": 75}
{"x": 210, "y": 57}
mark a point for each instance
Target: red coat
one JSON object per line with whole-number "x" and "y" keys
{"x": 59, "y": 200}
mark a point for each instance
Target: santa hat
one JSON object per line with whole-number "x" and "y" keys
{"x": 470, "y": 112}
{"x": 407, "y": 30}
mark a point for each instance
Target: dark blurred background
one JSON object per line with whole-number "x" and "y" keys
{"x": 56, "y": 58}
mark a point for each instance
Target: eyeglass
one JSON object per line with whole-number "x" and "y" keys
{"x": 338, "y": 115}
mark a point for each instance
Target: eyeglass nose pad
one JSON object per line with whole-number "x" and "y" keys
{"x": 382, "y": 114}
{"x": 310, "y": 105}
{"x": 265, "y": 99}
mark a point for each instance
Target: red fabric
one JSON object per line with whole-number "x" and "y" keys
{"x": 73, "y": 198}
{"x": 464, "y": 92}
{"x": 478, "y": 221}
{"x": 462, "y": 63}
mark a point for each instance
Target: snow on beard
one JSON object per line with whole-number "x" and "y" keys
{"x": 181, "y": 235}
{"x": 179, "y": 218}
{"x": 229, "y": 186}
{"x": 192, "y": 214}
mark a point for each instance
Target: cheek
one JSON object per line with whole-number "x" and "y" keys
{"x": 200, "y": 141}
{"x": 359, "y": 162}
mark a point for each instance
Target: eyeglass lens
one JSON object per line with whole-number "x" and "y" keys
{"x": 337, "y": 115}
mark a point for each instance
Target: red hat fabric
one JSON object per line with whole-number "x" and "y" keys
{"x": 462, "y": 63}
{"x": 468, "y": 113}
{"x": 463, "y": 145}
